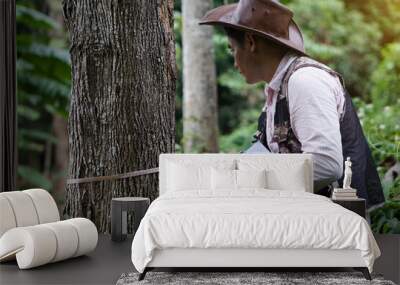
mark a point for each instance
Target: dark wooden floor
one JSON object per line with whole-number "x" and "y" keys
{"x": 110, "y": 259}
{"x": 103, "y": 266}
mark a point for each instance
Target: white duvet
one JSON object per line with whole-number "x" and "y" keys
{"x": 254, "y": 218}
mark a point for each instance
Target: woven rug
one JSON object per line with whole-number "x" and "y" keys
{"x": 243, "y": 278}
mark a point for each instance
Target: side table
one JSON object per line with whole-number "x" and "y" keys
{"x": 119, "y": 215}
{"x": 357, "y": 205}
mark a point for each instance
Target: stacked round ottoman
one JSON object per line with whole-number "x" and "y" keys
{"x": 31, "y": 230}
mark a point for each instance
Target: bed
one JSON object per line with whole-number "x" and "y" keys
{"x": 245, "y": 211}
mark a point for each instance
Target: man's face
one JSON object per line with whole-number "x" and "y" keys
{"x": 246, "y": 58}
{"x": 242, "y": 57}
{"x": 254, "y": 58}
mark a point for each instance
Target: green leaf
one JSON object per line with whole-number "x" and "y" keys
{"x": 57, "y": 109}
{"x": 29, "y": 146}
{"x": 27, "y": 112}
{"x": 46, "y": 52}
{"x": 45, "y": 86}
{"x": 386, "y": 218}
{"x": 33, "y": 177}
{"x": 38, "y": 135}
{"x": 35, "y": 19}
{"x": 24, "y": 66}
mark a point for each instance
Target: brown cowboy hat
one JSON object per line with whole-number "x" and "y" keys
{"x": 267, "y": 18}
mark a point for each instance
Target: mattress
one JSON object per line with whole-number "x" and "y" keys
{"x": 251, "y": 219}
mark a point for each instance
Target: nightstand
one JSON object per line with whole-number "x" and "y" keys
{"x": 119, "y": 215}
{"x": 357, "y": 205}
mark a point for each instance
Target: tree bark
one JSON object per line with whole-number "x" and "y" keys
{"x": 122, "y": 113}
{"x": 200, "y": 114}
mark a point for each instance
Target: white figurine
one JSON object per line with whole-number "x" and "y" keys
{"x": 347, "y": 174}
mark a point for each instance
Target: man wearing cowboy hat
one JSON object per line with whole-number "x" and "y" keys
{"x": 307, "y": 107}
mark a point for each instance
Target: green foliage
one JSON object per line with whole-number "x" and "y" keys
{"x": 179, "y": 83}
{"x": 43, "y": 76}
{"x": 342, "y": 38}
{"x": 386, "y": 220}
{"x": 382, "y": 129}
{"x": 240, "y": 139}
{"x": 34, "y": 177}
{"x": 386, "y": 13}
{"x": 381, "y": 126}
{"x": 386, "y": 78}
{"x": 29, "y": 17}
{"x": 393, "y": 190}
{"x": 381, "y": 123}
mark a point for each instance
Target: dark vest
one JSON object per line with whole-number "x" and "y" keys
{"x": 354, "y": 144}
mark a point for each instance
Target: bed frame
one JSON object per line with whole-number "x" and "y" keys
{"x": 247, "y": 259}
{"x": 251, "y": 258}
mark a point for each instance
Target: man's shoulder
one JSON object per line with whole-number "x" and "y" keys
{"x": 308, "y": 61}
{"x": 302, "y": 63}
{"x": 317, "y": 87}
{"x": 308, "y": 75}
{"x": 307, "y": 71}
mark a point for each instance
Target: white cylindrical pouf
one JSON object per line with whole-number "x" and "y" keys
{"x": 33, "y": 246}
{"x": 40, "y": 244}
{"x": 87, "y": 233}
{"x": 46, "y": 207}
{"x": 31, "y": 232}
{"x": 40, "y": 247}
{"x": 7, "y": 218}
{"x": 67, "y": 239}
{"x": 23, "y": 208}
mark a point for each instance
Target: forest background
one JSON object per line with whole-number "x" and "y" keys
{"x": 358, "y": 38}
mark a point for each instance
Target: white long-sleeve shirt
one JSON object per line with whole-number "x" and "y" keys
{"x": 316, "y": 102}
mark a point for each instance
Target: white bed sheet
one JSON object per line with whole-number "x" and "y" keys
{"x": 253, "y": 218}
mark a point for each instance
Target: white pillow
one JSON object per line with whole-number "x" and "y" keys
{"x": 225, "y": 179}
{"x": 193, "y": 174}
{"x": 293, "y": 181}
{"x": 282, "y": 174}
{"x": 182, "y": 177}
{"x": 251, "y": 178}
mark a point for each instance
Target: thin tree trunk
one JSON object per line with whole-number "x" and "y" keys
{"x": 200, "y": 114}
{"x": 123, "y": 99}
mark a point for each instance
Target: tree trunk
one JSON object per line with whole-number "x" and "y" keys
{"x": 200, "y": 114}
{"x": 123, "y": 99}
